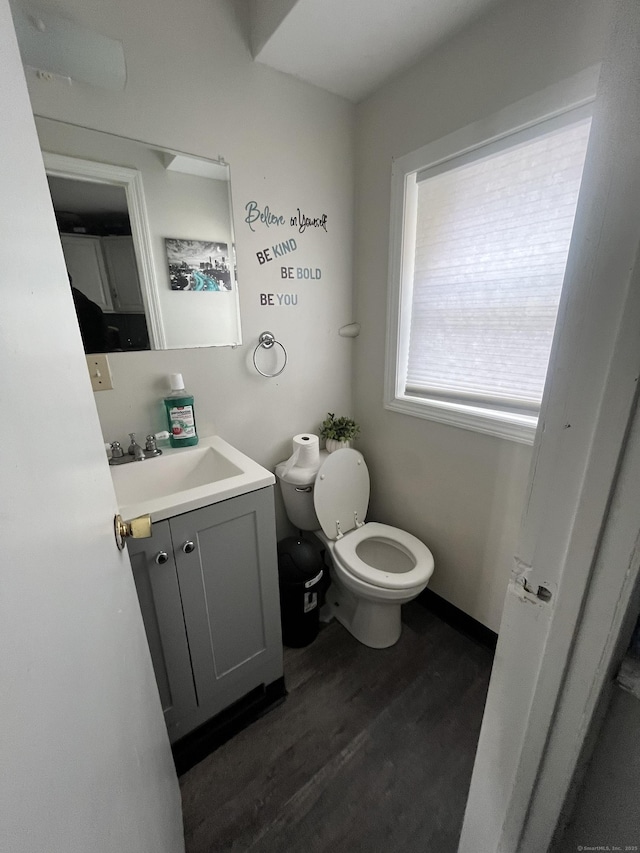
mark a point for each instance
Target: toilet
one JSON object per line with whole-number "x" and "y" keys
{"x": 374, "y": 568}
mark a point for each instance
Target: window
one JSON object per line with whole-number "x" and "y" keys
{"x": 478, "y": 266}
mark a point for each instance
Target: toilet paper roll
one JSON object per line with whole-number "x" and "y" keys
{"x": 306, "y": 453}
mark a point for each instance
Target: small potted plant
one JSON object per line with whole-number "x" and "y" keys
{"x": 338, "y": 432}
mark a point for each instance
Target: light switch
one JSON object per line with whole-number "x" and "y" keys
{"x": 99, "y": 372}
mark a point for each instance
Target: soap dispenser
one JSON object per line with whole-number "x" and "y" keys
{"x": 180, "y": 414}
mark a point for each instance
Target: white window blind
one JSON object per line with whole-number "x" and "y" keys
{"x": 492, "y": 238}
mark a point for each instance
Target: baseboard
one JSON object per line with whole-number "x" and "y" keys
{"x": 194, "y": 747}
{"x": 458, "y": 619}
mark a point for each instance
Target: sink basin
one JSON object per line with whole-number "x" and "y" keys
{"x": 187, "y": 478}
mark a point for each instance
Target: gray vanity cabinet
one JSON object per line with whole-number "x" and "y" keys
{"x": 225, "y": 583}
{"x": 156, "y": 580}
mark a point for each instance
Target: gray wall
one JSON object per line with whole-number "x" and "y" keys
{"x": 459, "y": 491}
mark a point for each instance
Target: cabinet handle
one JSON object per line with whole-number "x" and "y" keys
{"x": 161, "y": 558}
{"x": 188, "y": 547}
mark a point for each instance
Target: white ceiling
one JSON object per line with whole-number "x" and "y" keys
{"x": 351, "y": 47}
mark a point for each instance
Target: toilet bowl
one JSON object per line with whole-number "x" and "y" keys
{"x": 374, "y": 568}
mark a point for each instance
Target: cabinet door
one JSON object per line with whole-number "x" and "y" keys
{"x": 120, "y": 258}
{"x": 161, "y": 606}
{"x": 83, "y": 256}
{"x": 229, "y": 585}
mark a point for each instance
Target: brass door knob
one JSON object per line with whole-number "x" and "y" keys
{"x": 136, "y": 528}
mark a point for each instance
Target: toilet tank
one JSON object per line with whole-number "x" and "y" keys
{"x": 297, "y": 493}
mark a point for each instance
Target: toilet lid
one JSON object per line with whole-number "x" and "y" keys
{"x": 341, "y": 490}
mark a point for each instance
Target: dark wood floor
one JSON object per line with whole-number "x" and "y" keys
{"x": 371, "y": 751}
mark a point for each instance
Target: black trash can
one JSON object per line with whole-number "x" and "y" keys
{"x": 300, "y": 576}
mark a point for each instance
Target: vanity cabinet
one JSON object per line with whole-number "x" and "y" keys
{"x": 207, "y": 581}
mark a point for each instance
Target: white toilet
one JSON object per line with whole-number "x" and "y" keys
{"x": 375, "y": 568}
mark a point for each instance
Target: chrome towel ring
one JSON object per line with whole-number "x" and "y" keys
{"x": 266, "y": 341}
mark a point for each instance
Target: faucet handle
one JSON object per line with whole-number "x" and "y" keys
{"x": 150, "y": 448}
{"x": 116, "y": 450}
{"x": 153, "y": 437}
{"x": 118, "y": 456}
{"x": 151, "y": 443}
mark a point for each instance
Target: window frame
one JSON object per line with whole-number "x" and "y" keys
{"x": 556, "y": 100}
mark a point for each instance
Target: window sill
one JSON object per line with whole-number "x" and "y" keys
{"x": 520, "y": 428}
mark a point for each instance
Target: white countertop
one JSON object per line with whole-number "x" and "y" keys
{"x": 187, "y": 478}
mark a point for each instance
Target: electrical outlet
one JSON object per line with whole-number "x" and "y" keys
{"x": 99, "y": 372}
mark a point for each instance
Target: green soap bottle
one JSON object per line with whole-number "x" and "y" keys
{"x": 181, "y": 414}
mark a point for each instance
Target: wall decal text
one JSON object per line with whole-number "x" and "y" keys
{"x": 276, "y": 251}
{"x": 276, "y": 299}
{"x": 301, "y": 272}
{"x": 302, "y": 222}
{"x": 266, "y": 217}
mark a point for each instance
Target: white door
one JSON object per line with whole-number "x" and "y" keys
{"x": 86, "y": 267}
{"x": 573, "y": 575}
{"x": 84, "y": 754}
{"x": 122, "y": 266}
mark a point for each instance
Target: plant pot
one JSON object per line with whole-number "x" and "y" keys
{"x": 332, "y": 444}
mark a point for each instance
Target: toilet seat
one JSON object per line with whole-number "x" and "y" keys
{"x": 376, "y": 554}
{"x": 357, "y": 551}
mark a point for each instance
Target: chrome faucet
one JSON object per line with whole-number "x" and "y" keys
{"x": 135, "y": 453}
{"x": 135, "y": 450}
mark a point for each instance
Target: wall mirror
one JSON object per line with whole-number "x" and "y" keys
{"x": 147, "y": 235}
